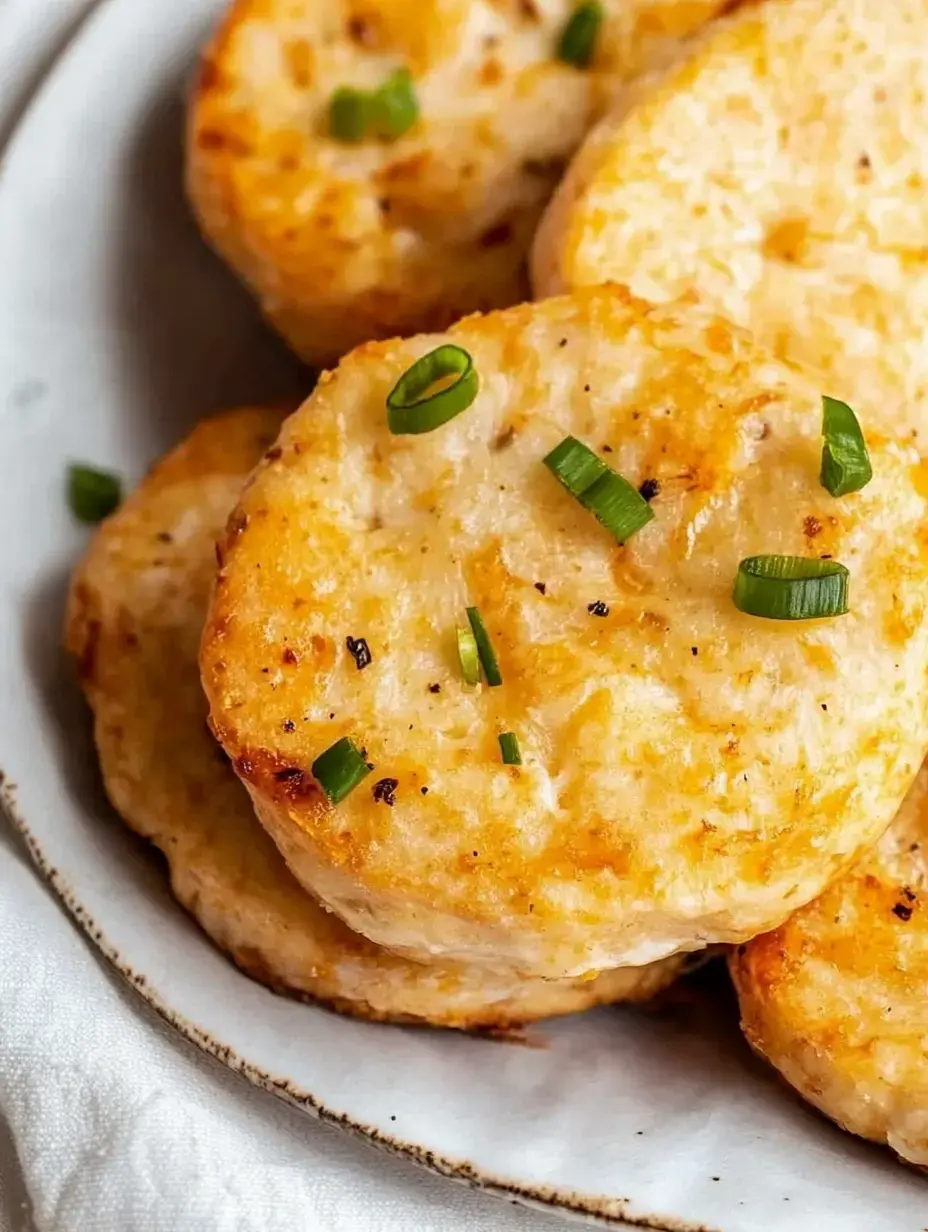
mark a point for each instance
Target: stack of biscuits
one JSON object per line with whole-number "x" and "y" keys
{"x": 574, "y": 624}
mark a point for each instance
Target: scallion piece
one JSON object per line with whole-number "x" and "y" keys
{"x": 449, "y": 373}
{"x": 578, "y": 40}
{"x": 612, "y": 500}
{"x": 845, "y": 460}
{"x": 350, "y": 113}
{"x": 468, "y": 655}
{"x": 387, "y": 112}
{"x": 395, "y": 107}
{"x": 485, "y": 650}
{"x": 340, "y": 769}
{"x": 509, "y": 747}
{"x": 791, "y": 588}
{"x": 92, "y": 494}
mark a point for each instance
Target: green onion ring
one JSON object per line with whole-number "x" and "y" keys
{"x": 791, "y": 588}
{"x": 485, "y": 649}
{"x": 411, "y": 409}
{"x": 349, "y": 114}
{"x": 469, "y": 656}
{"x": 845, "y": 460}
{"x": 612, "y": 500}
{"x": 340, "y": 769}
{"x": 387, "y": 112}
{"x": 509, "y": 748}
{"x": 92, "y": 494}
{"x": 395, "y": 107}
{"x": 578, "y": 40}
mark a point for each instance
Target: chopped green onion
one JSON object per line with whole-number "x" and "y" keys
{"x": 509, "y": 747}
{"x": 92, "y": 494}
{"x": 395, "y": 106}
{"x": 488, "y": 658}
{"x": 411, "y": 409}
{"x": 845, "y": 460}
{"x": 350, "y": 114}
{"x": 340, "y": 769}
{"x": 467, "y": 653}
{"x": 387, "y": 112}
{"x": 612, "y": 500}
{"x": 791, "y": 588}
{"x": 578, "y": 41}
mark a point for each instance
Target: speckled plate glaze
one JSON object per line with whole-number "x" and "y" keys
{"x": 117, "y": 329}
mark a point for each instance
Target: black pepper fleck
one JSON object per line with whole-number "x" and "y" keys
{"x": 384, "y": 791}
{"x": 563, "y": 342}
{"x": 359, "y": 651}
{"x": 541, "y": 587}
{"x": 903, "y": 911}
{"x": 694, "y": 650}
{"x": 586, "y": 389}
{"x": 824, "y": 707}
{"x": 288, "y": 725}
{"x": 424, "y": 790}
{"x": 607, "y": 449}
{"x": 164, "y": 536}
{"x": 649, "y": 489}
{"x": 598, "y": 608}
{"x": 434, "y": 688}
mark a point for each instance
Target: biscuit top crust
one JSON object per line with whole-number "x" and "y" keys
{"x": 690, "y": 772}
{"x": 779, "y": 171}
{"x": 343, "y": 242}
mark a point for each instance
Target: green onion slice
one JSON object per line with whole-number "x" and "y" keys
{"x": 468, "y": 655}
{"x": 395, "y": 106}
{"x": 387, "y": 112}
{"x": 791, "y": 588}
{"x": 612, "y": 500}
{"x": 578, "y": 40}
{"x": 488, "y": 658}
{"x": 350, "y": 113}
{"x": 340, "y": 769}
{"x": 509, "y": 747}
{"x": 92, "y": 494}
{"x": 845, "y": 460}
{"x": 449, "y": 373}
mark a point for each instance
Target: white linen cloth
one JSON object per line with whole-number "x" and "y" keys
{"x": 108, "y": 1121}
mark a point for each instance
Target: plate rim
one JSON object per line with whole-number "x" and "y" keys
{"x": 548, "y": 1198}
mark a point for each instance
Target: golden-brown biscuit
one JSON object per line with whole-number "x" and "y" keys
{"x": 690, "y": 773}
{"x": 134, "y": 620}
{"x": 346, "y": 242}
{"x": 835, "y": 998}
{"x": 779, "y": 170}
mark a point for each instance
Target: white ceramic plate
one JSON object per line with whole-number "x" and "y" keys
{"x": 117, "y": 330}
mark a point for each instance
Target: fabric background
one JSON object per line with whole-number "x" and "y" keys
{"x": 110, "y": 1123}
